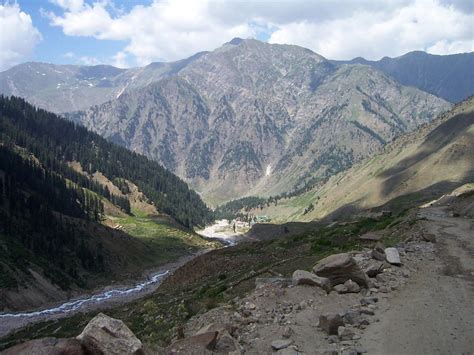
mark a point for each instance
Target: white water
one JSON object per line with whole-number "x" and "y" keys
{"x": 77, "y": 304}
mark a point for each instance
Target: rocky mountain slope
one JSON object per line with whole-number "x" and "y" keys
{"x": 255, "y": 118}
{"x": 448, "y": 76}
{"x": 63, "y": 88}
{"x": 415, "y": 167}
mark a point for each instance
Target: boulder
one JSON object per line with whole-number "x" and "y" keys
{"x": 201, "y": 344}
{"x": 106, "y": 335}
{"x": 281, "y": 344}
{"x": 374, "y": 269}
{"x": 341, "y": 288}
{"x": 301, "y": 277}
{"x": 345, "y": 333}
{"x": 392, "y": 256}
{"x": 329, "y": 322}
{"x": 339, "y": 268}
{"x": 352, "y": 317}
{"x": 47, "y": 346}
{"x": 352, "y": 287}
{"x": 378, "y": 252}
{"x": 226, "y": 344}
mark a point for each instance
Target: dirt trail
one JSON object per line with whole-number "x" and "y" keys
{"x": 434, "y": 313}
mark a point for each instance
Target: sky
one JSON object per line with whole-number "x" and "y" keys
{"x": 128, "y": 33}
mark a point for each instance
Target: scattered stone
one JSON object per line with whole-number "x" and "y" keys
{"x": 341, "y": 288}
{"x": 226, "y": 343}
{"x": 332, "y": 339}
{"x": 47, "y": 346}
{"x": 264, "y": 281}
{"x": 250, "y": 306}
{"x": 428, "y": 237}
{"x": 339, "y": 268}
{"x": 106, "y": 335}
{"x": 352, "y": 317}
{"x": 326, "y": 352}
{"x": 392, "y": 256}
{"x": 281, "y": 344}
{"x": 368, "y": 301}
{"x": 217, "y": 327}
{"x": 287, "y": 332}
{"x": 329, "y": 322}
{"x": 352, "y": 287}
{"x": 374, "y": 269}
{"x": 302, "y": 277}
{"x": 288, "y": 351}
{"x": 345, "y": 333}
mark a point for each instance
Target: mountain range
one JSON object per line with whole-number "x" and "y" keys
{"x": 448, "y": 76}
{"x": 249, "y": 118}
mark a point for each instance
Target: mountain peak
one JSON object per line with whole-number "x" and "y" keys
{"x": 235, "y": 41}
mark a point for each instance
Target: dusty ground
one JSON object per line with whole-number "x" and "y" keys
{"x": 435, "y": 312}
{"x": 425, "y": 306}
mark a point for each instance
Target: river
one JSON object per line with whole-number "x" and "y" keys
{"x": 106, "y": 298}
{"x": 101, "y": 300}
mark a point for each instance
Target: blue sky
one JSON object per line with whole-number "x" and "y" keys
{"x": 54, "y": 44}
{"x": 136, "y": 32}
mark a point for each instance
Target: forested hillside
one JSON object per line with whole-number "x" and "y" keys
{"x": 55, "y": 142}
{"x": 77, "y": 211}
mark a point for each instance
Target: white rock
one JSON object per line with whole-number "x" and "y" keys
{"x": 392, "y": 256}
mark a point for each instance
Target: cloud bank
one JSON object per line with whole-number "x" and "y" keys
{"x": 167, "y": 30}
{"x": 18, "y": 36}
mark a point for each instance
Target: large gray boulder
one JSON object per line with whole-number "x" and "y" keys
{"x": 339, "y": 268}
{"x": 106, "y": 335}
{"x": 302, "y": 277}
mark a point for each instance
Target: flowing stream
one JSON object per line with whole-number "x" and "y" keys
{"x": 77, "y": 304}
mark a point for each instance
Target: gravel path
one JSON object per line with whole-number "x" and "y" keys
{"x": 434, "y": 313}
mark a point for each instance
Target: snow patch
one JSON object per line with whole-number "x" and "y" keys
{"x": 121, "y": 92}
{"x": 269, "y": 170}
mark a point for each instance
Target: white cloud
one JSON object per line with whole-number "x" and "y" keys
{"x": 70, "y": 5}
{"x": 419, "y": 25}
{"x": 337, "y": 29}
{"x": 18, "y": 35}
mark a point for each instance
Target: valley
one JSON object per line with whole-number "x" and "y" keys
{"x": 253, "y": 198}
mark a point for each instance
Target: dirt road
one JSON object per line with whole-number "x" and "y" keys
{"x": 434, "y": 313}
